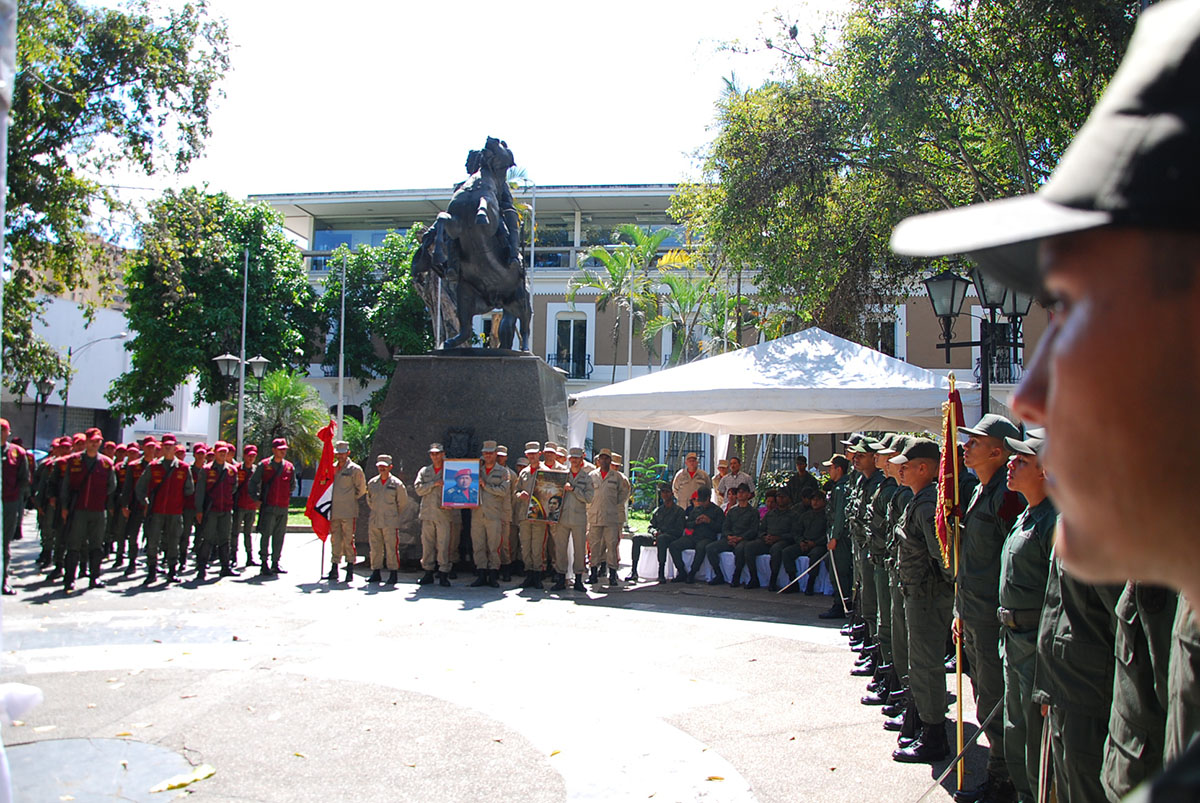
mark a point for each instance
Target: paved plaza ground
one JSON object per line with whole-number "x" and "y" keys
{"x": 293, "y": 690}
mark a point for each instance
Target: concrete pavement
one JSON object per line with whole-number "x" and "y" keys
{"x": 294, "y": 690}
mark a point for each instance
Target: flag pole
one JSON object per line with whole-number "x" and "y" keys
{"x": 954, "y": 537}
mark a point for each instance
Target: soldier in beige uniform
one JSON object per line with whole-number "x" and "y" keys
{"x": 573, "y": 521}
{"x": 487, "y": 520}
{"x": 550, "y": 457}
{"x": 435, "y": 520}
{"x": 349, "y": 485}
{"x": 509, "y": 549}
{"x": 534, "y": 533}
{"x": 605, "y": 515}
{"x": 689, "y": 479}
{"x": 387, "y": 498}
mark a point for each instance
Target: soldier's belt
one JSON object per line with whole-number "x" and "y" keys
{"x": 1019, "y": 621}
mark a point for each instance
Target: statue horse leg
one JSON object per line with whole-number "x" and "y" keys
{"x": 468, "y": 303}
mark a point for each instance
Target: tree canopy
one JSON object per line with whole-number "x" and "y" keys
{"x": 96, "y": 90}
{"x": 384, "y": 314}
{"x": 901, "y": 106}
{"x": 184, "y": 289}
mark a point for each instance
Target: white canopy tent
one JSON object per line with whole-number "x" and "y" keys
{"x": 809, "y": 382}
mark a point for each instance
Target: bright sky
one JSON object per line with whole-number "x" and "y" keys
{"x": 357, "y": 95}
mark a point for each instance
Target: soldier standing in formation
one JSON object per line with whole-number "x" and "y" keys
{"x": 605, "y": 514}
{"x": 349, "y": 485}
{"x": 435, "y": 519}
{"x": 14, "y": 473}
{"x": 387, "y": 499}
{"x": 272, "y": 483}
{"x": 216, "y": 483}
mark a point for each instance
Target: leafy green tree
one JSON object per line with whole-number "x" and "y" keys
{"x": 361, "y": 437}
{"x": 184, "y": 287}
{"x": 912, "y": 105}
{"x": 646, "y": 475}
{"x": 288, "y": 407}
{"x": 384, "y": 314}
{"x": 96, "y": 90}
{"x": 698, "y": 311}
{"x": 625, "y": 279}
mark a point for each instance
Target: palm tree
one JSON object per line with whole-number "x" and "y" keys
{"x": 699, "y": 312}
{"x": 286, "y": 408}
{"x": 625, "y": 281}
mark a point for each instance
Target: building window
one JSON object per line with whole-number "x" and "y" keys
{"x": 783, "y": 451}
{"x": 570, "y": 345}
{"x": 674, "y": 445}
{"x": 881, "y": 336}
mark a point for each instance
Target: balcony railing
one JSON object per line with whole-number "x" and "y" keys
{"x": 1004, "y": 370}
{"x": 577, "y": 366}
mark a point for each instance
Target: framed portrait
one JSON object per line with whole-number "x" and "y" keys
{"x": 460, "y": 488}
{"x": 546, "y": 502}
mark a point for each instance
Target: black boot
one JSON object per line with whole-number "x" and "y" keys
{"x": 883, "y": 688}
{"x": 349, "y": 572}
{"x": 613, "y": 580}
{"x": 227, "y": 569}
{"x": 443, "y": 579}
{"x": 151, "y": 571}
{"x": 579, "y": 582}
{"x": 593, "y": 576}
{"x": 929, "y": 747}
{"x": 505, "y": 573}
{"x": 70, "y": 564}
{"x": 492, "y": 578}
{"x": 480, "y": 579}
{"x": 994, "y": 789}
{"x": 858, "y": 634}
{"x": 333, "y": 574}
{"x": 393, "y": 578}
{"x": 836, "y": 611}
{"x": 376, "y": 576}
{"x": 202, "y": 562}
{"x": 896, "y": 703}
{"x": 425, "y": 579}
{"x": 560, "y": 582}
{"x": 119, "y": 560}
{"x": 633, "y": 577}
{"x": 94, "y": 581}
{"x": 534, "y": 580}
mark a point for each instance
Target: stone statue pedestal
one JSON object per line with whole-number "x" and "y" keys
{"x": 460, "y": 398}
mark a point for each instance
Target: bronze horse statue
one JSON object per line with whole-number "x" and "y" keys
{"x": 470, "y": 260}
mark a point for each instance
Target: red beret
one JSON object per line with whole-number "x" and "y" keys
{"x": 463, "y": 472}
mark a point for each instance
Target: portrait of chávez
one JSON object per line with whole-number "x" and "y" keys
{"x": 462, "y": 484}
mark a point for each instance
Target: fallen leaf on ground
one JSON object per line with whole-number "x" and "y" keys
{"x": 115, "y": 685}
{"x": 555, "y": 753}
{"x": 66, "y": 797}
{"x": 299, "y": 755}
{"x": 714, "y": 778}
{"x": 124, "y": 764}
{"x": 18, "y": 723}
{"x": 124, "y": 733}
{"x": 44, "y": 728}
{"x": 187, "y": 696}
{"x": 497, "y": 740}
{"x": 180, "y": 781}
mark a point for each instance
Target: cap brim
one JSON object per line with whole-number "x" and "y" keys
{"x": 898, "y": 459}
{"x": 1001, "y": 236}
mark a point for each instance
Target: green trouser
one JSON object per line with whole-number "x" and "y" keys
{"x": 215, "y": 529}
{"x": 185, "y": 537}
{"x": 87, "y": 531}
{"x": 12, "y": 520}
{"x": 899, "y": 627}
{"x": 981, "y": 645}
{"x": 243, "y": 524}
{"x": 750, "y": 552}
{"x": 46, "y": 530}
{"x": 116, "y": 530}
{"x": 128, "y": 538}
{"x": 843, "y": 566}
{"x": 677, "y": 547}
{"x": 1022, "y": 716}
{"x": 868, "y": 604}
{"x": 272, "y": 524}
{"x": 776, "y": 552}
{"x": 1077, "y": 747}
{"x": 162, "y": 530}
{"x": 883, "y": 604}
{"x": 928, "y": 609}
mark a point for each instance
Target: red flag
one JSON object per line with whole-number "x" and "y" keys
{"x": 320, "y": 498}
{"x": 947, "y": 495}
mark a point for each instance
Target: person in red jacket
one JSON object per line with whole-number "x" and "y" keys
{"x": 215, "y": 486}
{"x": 15, "y": 475}
{"x": 131, "y": 509}
{"x": 161, "y": 489}
{"x": 88, "y": 482}
{"x": 271, "y": 483}
{"x": 246, "y": 512}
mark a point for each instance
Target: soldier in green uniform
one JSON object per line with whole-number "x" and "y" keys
{"x": 702, "y": 526}
{"x": 160, "y": 490}
{"x": 776, "y": 532}
{"x": 858, "y": 515}
{"x": 666, "y": 524}
{"x": 928, "y": 603}
{"x": 898, "y": 698}
{"x": 885, "y": 680}
{"x": 1024, "y": 570}
{"x": 272, "y": 483}
{"x": 837, "y": 538}
{"x": 738, "y": 531}
{"x": 987, "y": 519}
{"x": 1110, "y": 243}
{"x": 216, "y": 487}
{"x": 810, "y": 541}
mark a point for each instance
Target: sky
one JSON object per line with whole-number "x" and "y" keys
{"x": 359, "y": 95}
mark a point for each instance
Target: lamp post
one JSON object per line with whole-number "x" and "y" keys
{"x": 71, "y": 351}
{"x": 947, "y": 292}
{"x": 41, "y": 392}
{"x": 231, "y": 368}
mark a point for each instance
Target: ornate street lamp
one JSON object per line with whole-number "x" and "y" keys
{"x": 947, "y": 291}
{"x": 228, "y": 365}
{"x": 42, "y": 390}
